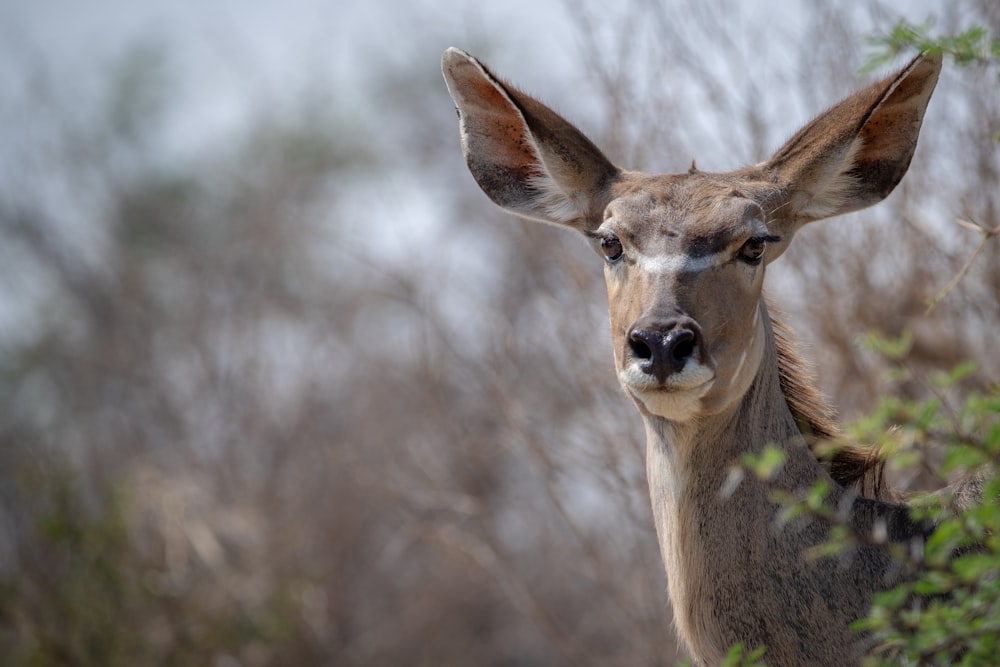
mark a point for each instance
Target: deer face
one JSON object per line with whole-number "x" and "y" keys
{"x": 685, "y": 254}
{"x": 684, "y": 288}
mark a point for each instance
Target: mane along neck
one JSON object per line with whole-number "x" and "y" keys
{"x": 849, "y": 464}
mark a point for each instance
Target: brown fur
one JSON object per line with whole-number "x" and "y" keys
{"x": 850, "y": 465}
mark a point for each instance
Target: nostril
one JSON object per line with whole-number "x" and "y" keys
{"x": 640, "y": 348}
{"x": 681, "y": 345}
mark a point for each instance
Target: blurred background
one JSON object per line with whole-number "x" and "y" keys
{"x": 280, "y": 386}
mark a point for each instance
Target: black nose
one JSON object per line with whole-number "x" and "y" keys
{"x": 662, "y": 350}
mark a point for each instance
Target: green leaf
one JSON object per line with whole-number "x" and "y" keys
{"x": 894, "y": 349}
{"x": 766, "y": 464}
{"x": 972, "y": 567}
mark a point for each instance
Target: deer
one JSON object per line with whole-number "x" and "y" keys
{"x": 713, "y": 375}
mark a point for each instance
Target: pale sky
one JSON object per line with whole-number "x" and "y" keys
{"x": 227, "y": 52}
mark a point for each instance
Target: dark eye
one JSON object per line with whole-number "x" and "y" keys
{"x": 752, "y": 252}
{"x": 612, "y": 248}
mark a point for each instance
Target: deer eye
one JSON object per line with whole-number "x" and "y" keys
{"x": 752, "y": 252}
{"x": 612, "y": 248}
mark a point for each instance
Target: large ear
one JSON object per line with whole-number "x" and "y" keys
{"x": 853, "y": 155}
{"x": 527, "y": 158}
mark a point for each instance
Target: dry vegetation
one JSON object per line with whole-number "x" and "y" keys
{"x": 236, "y": 428}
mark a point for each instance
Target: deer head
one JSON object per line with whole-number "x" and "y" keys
{"x": 685, "y": 254}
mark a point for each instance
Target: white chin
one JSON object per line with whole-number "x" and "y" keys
{"x": 679, "y": 400}
{"x": 676, "y": 405}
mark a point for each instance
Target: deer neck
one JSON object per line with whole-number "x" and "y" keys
{"x": 716, "y": 525}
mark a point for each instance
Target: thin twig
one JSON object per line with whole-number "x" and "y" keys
{"x": 987, "y": 234}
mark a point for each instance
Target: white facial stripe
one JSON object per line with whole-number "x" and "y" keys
{"x": 678, "y": 263}
{"x": 743, "y": 360}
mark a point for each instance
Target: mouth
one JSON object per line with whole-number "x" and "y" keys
{"x": 673, "y": 405}
{"x": 692, "y": 378}
{"x": 678, "y": 399}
